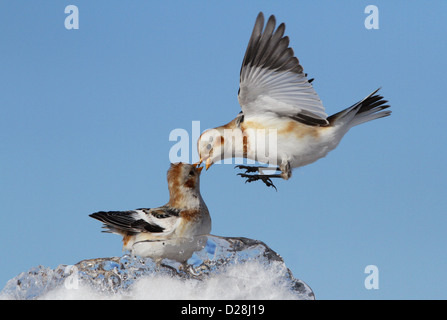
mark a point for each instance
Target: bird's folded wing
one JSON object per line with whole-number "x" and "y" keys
{"x": 159, "y": 220}
{"x": 272, "y": 81}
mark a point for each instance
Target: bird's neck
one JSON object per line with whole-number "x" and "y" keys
{"x": 185, "y": 198}
{"x": 235, "y": 140}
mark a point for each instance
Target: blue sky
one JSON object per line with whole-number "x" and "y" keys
{"x": 85, "y": 118}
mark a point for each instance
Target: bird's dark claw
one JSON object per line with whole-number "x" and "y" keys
{"x": 264, "y": 178}
{"x": 248, "y": 169}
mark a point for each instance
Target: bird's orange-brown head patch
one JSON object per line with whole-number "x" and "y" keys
{"x": 182, "y": 177}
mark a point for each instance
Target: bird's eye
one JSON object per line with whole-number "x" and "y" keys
{"x": 209, "y": 146}
{"x": 191, "y": 173}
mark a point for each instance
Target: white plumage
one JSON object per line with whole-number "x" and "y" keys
{"x": 172, "y": 231}
{"x": 280, "y": 107}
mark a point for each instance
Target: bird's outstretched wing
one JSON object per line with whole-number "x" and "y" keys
{"x": 162, "y": 220}
{"x": 272, "y": 82}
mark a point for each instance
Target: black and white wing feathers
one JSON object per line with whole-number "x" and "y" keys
{"x": 272, "y": 82}
{"x": 162, "y": 220}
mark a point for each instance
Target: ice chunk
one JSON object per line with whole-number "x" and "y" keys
{"x": 221, "y": 268}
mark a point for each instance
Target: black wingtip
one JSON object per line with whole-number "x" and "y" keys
{"x": 269, "y": 48}
{"x": 95, "y": 215}
{"x": 100, "y": 215}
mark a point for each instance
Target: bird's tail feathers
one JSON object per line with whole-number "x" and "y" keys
{"x": 365, "y": 110}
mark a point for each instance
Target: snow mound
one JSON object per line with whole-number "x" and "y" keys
{"x": 223, "y": 268}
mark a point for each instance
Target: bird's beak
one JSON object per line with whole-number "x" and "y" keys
{"x": 208, "y": 163}
{"x": 197, "y": 164}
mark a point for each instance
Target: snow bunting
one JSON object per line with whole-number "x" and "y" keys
{"x": 172, "y": 231}
{"x": 280, "y": 105}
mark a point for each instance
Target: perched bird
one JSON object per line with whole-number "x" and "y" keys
{"x": 283, "y": 122}
{"x": 172, "y": 231}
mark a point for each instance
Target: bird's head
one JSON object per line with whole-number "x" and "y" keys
{"x": 184, "y": 175}
{"x": 210, "y": 147}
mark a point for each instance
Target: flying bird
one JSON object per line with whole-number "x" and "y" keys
{"x": 283, "y": 122}
{"x": 172, "y": 231}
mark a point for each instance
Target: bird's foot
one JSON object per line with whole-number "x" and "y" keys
{"x": 264, "y": 178}
{"x": 248, "y": 169}
{"x": 252, "y": 169}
